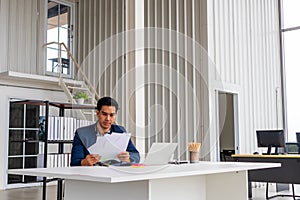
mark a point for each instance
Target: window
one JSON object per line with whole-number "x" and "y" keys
{"x": 59, "y": 29}
{"x": 291, "y": 46}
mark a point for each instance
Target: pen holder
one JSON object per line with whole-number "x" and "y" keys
{"x": 194, "y": 149}
{"x": 194, "y": 157}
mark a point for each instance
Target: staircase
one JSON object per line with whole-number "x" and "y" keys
{"x": 82, "y": 85}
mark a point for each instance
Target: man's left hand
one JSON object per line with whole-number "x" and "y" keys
{"x": 124, "y": 156}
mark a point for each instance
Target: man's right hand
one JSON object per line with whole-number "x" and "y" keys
{"x": 90, "y": 160}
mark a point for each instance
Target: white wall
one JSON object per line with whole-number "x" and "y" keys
{"x": 244, "y": 44}
{"x": 22, "y": 35}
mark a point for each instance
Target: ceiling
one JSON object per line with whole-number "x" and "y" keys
{"x": 57, "y": 12}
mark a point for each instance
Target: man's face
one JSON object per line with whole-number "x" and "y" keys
{"x": 106, "y": 116}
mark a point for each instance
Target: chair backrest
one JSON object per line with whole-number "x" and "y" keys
{"x": 292, "y": 147}
{"x": 298, "y": 136}
{"x": 226, "y": 154}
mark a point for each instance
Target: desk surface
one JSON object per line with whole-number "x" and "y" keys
{"x": 125, "y": 174}
{"x": 266, "y": 156}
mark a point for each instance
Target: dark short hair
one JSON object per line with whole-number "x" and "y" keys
{"x": 107, "y": 101}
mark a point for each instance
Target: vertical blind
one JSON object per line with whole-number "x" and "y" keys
{"x": 101, "y": 43}
{"x": 19, "y": 33}
{"x": 174, "y": 77}
{"x": 241, "y": 38}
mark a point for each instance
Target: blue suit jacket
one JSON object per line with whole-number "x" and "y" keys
{"x": 87, "y": 136}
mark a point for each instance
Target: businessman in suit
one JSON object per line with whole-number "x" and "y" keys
{"x": 85, "y": 137}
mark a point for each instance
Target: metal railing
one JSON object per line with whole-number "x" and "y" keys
{"x": 85, "y": 79}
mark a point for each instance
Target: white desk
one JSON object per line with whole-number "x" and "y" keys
{"x": 205, "y": 180}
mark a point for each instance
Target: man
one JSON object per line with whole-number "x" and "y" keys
{"x": 85, "y": 137}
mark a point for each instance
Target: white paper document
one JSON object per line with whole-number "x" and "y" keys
{"x": 110, "y": 145}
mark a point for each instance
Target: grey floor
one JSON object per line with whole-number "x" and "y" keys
{"x": 32, "y": 193}
{"x": 35, "y": 193}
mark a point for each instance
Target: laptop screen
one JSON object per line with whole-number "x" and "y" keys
{"x": 160, "y": 153}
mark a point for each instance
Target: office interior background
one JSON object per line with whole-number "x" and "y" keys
{"x": 210, "y": 71}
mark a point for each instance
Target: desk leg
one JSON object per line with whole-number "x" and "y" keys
{"x": 60, "y": 189}
{"x": 231, "y": 185}
{"x": 249, "y": 189}
{"x": 191, "y": 188}
{"x": 178, "y": 188}
{"x": 93, "y": 190}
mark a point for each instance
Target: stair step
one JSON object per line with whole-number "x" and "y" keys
{"x": 77, "y": 88}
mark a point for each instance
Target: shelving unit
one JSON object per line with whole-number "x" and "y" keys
{"x": 62, "y": 107}
{"x": 23, "y": 142}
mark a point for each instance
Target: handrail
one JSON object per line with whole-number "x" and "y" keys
{"x": 85, "y": 78}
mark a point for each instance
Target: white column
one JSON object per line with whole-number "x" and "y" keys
{"x": 139, "y": 78}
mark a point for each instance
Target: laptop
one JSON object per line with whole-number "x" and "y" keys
{"x": 160, "y": 153}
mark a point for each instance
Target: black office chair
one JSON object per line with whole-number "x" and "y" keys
{"x": 226, "y": 155}
{"x": 298, "y": 136}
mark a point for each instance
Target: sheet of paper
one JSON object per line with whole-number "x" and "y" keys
{"x": 110, "y": 145}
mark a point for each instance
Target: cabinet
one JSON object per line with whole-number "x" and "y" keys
{"x": 28, "y": 133}
{"x": 23, "y": 146}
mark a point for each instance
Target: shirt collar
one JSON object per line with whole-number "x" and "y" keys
{"x": 100, "y": 130}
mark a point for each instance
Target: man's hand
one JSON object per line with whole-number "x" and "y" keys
{"x": 90, "y": 160}
{"x": 124, "y": 156}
